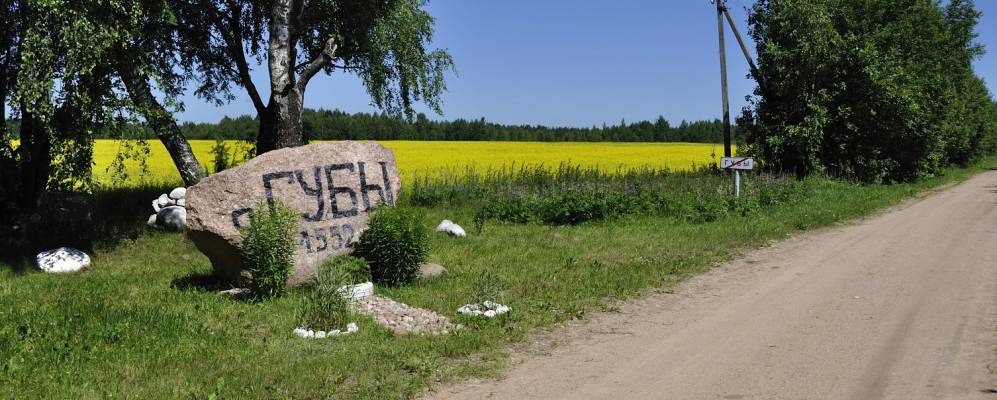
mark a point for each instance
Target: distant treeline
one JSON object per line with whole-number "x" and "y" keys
{"x": 338, "y": 125}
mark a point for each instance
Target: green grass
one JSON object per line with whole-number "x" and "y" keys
{"x": 141, "y": 323}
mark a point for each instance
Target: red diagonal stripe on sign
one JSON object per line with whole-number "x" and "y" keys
{"x": 737, "y": 163}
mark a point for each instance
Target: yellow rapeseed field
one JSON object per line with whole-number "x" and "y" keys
{"x": 421, "y": 158}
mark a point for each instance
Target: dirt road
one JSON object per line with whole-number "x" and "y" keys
{"x": 902, "y": 305}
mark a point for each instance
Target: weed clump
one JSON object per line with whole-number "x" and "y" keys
{"x": 394, "y": 244}
{"x": 355, "y": 270}
{"x": 268, "y": 248}
{"x": 325, "y": 307}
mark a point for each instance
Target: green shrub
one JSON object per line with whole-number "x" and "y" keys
{"x": 220, "y": 156}
{"x": 355, "y": 269}
{"x": 324, "y": 307}
{"x": 268, "y": 247}
{"x": 394, "y": 244}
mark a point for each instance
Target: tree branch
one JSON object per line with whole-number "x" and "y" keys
{"x": 232, "y": 36}
{"x": 316, "y": 65}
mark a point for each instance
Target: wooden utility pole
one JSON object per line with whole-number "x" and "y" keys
{"x": 721, "y": 8}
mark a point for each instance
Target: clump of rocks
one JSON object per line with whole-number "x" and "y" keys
{"x": 171, "y": 210}
{"x": 487, "y": 309}
{"x": 313, "y": 334}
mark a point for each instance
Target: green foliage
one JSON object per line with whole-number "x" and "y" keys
{"x": 394, "y": 244}
{"x": 487, "y": 286}
{"x": 324, "y": 307}
{"x": 572, "y": 195}
{"x": 355, "y": 269}
{"x": 268, "y": 248}
{"x": 875, "y": 91}
{"x": 137, "y": 151}
{"x": 221, "y": 159}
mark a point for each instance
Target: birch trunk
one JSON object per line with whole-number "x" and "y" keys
{"x": 162, "y": 122}
{"x": 280, "y": 121}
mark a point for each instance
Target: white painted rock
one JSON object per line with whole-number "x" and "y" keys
{"x": 178, "y": 193}
{"x": 172, "y": 217}
{"x": 449, "y": 227}
{"x": 182, "y": 202}
{"x": 357, "y": 292}
{"x": 152, "y": 219}
{"x": 155, "y": 205}
{"x": 163, "y": 200}
{"x": 63, "y": 259}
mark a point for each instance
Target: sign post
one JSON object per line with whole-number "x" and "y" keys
{"x": 737, "y": 164}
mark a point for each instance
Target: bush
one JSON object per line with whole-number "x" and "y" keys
{"x": 325, "y": 308}
{"x": 220, "y": 156}
{"x": 354, "y": 269}
{"x": 268, "y": 248}
{"x": 394, "y": 244}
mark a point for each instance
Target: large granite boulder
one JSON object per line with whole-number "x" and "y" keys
{"x": 332, "y": 184}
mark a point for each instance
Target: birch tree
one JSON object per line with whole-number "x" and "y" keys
{"x": 384, "y": 42}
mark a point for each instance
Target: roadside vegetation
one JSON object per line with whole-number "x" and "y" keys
{"x": 148, "y": 321}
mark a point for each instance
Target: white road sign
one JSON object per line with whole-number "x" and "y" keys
{"x": 737, "y": 163}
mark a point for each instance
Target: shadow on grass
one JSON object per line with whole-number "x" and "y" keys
{"x": 122, "y": 213}
{"x": 17, "y": 264}
{"x": 85, "y": 222}
{"x": 201, "y": 282}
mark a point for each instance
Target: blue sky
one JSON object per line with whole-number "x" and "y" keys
{"x": 575, "y": 63}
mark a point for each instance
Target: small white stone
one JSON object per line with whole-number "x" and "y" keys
{"x": 155, "y": 205}
{"x": 335, "y": 332}
{"x": 301, "y": 332}
{"x": 351, "y": 327}
{"x": 490, "y": 313}
{"x": 163, "y": 200}
{"x": 152, "y": 220}
{"x": 489, "y": 304}
{"x": 309, "y": 334}
{"x": 182, "y": 202}
{"x": 449, "y": 227}
{"x": 320, "y": 335}
{"x": 178, "y": 193}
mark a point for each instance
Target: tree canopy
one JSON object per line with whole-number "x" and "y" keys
{"x": 872, "y": 90}
{"x": 384, "y": 42}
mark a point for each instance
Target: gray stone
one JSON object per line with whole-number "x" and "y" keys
{"x": 63, "y": 259}
{"x": 172, "y": 217}
{"x": 333, "y": 185}
{"x": 430, "y": 270}
{"x": 178, "y": 193}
